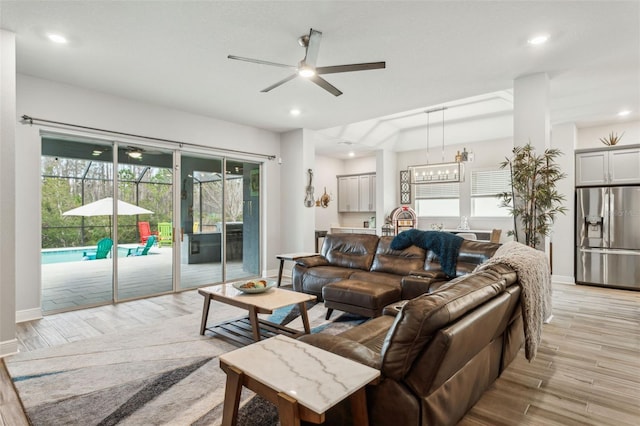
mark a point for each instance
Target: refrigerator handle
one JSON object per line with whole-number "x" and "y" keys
{"x": 606, "y": 223}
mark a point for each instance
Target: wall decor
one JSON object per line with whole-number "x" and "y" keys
{"x": 405, "y": 187}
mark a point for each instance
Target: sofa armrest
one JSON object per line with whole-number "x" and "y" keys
{"x": 312, "y": 261}
{"x": 347, "y": 348}
{"x": 416, "y": 285}
{"x": 434, "y": 275}
{"x": 394, "y": 308}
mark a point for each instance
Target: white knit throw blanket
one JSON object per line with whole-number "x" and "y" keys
{"x": 534, "y": 275}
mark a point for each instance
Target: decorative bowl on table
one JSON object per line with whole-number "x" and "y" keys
{"x": 254, "y": 286}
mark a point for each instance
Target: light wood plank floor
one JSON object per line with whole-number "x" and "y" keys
{"x": 587, "y": 371}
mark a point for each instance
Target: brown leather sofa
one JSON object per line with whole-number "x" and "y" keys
{"x": 360, "y": 273}
{"x": 438, "y": 352}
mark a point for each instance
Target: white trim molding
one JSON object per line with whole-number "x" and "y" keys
{"x": 28, "y": 315}
{"x": 564, "y": 279}
{"x": 8, "y": 347}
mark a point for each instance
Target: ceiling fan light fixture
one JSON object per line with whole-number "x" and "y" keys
{"x": 306, "y": 71}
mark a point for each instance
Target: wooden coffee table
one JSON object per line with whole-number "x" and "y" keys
{"x": 303, "y": 381}
{"x": 248, "y": 329}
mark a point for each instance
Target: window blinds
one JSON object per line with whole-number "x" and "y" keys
{"x": 486, "y": 183}
{"x": 437, "y": 191}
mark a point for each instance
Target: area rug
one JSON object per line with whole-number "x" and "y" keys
{"x": 153, "y": 375}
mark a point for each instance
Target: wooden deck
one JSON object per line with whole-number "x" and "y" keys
{"x": 71, "y": 285}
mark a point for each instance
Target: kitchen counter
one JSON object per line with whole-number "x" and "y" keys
{"x": 352, "y": 230}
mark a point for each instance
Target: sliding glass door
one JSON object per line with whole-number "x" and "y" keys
{"x": 201, "y": 217}
{"x": 77, "y": 239}
{"x": 242, "y": 201}
{"x": 145, "y": 234}
{"x": 153, "y": 239}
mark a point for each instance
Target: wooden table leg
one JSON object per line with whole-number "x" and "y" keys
{"x": 358, "y": 402}
{"x": 288, "y": 410}
{"x": 305, "y": 317}
{"x": 255, "y": 324}
{"x": 232, "y": 393}
{"x": 205, "y": 313}
{"x": 280, "y": 272}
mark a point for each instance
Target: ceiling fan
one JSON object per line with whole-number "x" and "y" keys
{"x": 306, "y": 68}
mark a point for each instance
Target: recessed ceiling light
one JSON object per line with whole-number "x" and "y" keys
{"x": 57, "y": 38}
{"x": 295, "y": 112}
{"x": 538, "y": 39}
{"x": 623, "y": 113}
{"x": 351, "y": 154}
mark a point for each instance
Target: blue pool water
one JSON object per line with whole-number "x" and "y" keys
{"x": 61, "y": 255}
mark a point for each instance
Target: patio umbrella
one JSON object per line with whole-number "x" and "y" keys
{"x": 104, "y": 207}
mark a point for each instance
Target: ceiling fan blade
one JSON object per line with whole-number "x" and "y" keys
{"x": 259, "y": 61}
{"x": 350, "y": 67}
{"x": 325, "y": 85}
{"x": 281, "y": 82}
{"x": 313, "y": 47}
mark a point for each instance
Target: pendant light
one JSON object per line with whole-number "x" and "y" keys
{"x": 437, "y": 172}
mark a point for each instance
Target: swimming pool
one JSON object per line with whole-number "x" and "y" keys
{"x": 71, "y": 254}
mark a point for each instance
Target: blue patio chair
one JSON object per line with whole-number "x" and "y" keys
{"x": 101, "y": 252}
{"x": 142, "y": 250}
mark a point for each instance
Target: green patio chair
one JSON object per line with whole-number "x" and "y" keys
{"x": 142, "y": 250}
{"x": 165, "y": 234}
{"x": 101, "y": 252}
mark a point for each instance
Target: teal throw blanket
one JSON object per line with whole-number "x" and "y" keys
{"x": 444, "y": 244}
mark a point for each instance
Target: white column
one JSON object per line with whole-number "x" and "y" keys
{"x": 297, "y": 222}
{"x": 531, "y": 111}
{"x": 8, "y": 343}
{"x": 387, "y": 186}
{"x": 564, "y": 137}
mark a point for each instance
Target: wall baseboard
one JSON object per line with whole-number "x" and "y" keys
{"x": 28, "y": 315}
{"x": 274, "y": 273}
{"x": 564, "y": 279}
{"x": 8, "y": 347}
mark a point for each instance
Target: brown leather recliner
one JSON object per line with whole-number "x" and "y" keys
{"x": 439, "y": 353}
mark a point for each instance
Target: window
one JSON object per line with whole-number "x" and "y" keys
{"x": 485, "y": 186}
{"x": 438, "y": 199}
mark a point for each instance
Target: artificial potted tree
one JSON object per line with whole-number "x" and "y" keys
{"x": 534, "y": 200}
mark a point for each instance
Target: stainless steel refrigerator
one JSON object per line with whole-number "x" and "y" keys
{"x": 608, "y": 236}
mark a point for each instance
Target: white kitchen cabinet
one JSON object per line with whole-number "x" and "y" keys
{"x": 348, "y": 194}
{"x": 367, "y": 190}
{"x": 608, "y": 167}
{"x": 357, "y": 193}
{"x": 624, "y": 166}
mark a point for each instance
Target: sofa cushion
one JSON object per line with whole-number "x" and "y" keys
{"x": 377, "y": 277}
{"x": 361, "y": 293}
{"x": 354, "y": 251}
{"x": 314, "y": 279}
{"x": 421, "y": 317}
{"x": 399, "y": 262}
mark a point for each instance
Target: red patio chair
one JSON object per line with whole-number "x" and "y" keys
{"x": 145, "y": 232}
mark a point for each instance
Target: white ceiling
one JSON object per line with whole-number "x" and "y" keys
{"x": 462, "y": 54}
